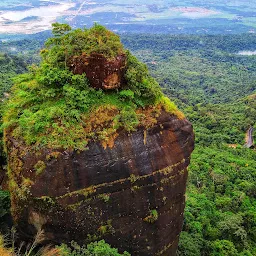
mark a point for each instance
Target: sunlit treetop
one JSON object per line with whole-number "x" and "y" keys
{"x": 67, "y": 43}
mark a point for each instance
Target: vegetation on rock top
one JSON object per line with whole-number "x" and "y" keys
{"x": 68, "y": 43}
{"x": 52, "y": 107}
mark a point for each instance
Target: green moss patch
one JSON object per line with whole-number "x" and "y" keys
{"x": 39, "y": 167}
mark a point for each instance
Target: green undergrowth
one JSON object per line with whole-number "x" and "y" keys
{"x": 5, "y": 204}
{"x": 100, "y": 248}
{"x": 10, "y": 247}
{"x": 68, "y": 43}
{"x": 52, "y": 107}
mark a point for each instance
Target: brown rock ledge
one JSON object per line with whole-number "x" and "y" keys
{"x": 101, "y": 72}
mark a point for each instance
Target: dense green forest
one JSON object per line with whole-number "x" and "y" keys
{"x": 215, "y": 87}
{"x": 50, "y": 106}
{"x": 10, "y": 66}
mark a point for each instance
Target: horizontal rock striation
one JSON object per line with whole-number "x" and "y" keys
{"x": 131, "y": 195}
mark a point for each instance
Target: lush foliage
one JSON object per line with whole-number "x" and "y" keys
{"x": 10, "y": 66}
{"x": 221, "y": 201}
{"x": 67, "y": 43}
{"x": 35, "y": 248}
{"x": 93, "y": 249}
{"x": 199, "y": 69}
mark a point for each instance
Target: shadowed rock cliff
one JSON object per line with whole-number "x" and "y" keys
{"x": 126, "y": 180}
{"x": 111, "y": 193}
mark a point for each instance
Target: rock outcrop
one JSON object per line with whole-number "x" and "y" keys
{"x": 249, "y": 142}
{"x": 101, "y": 72}
{"x": 123, "y": 177}
{"x": 131, "y": 195}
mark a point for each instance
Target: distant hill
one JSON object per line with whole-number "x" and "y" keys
{"x": 152, "y": 16}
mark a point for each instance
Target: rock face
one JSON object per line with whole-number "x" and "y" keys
{"x": 249, "y": 143}
{"x": 3, "y": 176}
{"x": 101, "y": 72}
{"x": 131, "y": 195}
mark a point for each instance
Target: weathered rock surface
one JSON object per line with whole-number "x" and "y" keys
{"x": 3, "y": 176}
{"x": 111, "y": 193}
{"x": 249, "y": 142}
{"x": 101, "y": 72}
